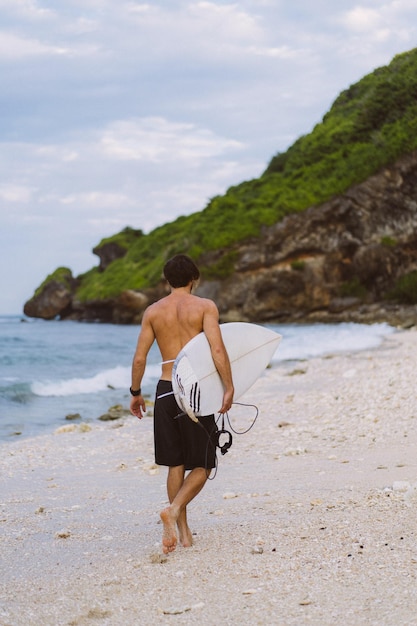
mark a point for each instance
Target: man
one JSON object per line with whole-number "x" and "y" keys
{"x": 180, "y": 443}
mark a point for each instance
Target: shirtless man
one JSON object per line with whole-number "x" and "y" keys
{"x": 180, "y": 443}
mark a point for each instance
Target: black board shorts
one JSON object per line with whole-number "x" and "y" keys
{"x": 178, "y": 439}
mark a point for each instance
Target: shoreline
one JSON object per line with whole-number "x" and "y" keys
{"x": 310, "y": 518}
{"x": 58, "y": 412}
{"x": 343, "y": 309}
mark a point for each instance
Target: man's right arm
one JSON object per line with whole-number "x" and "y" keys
{"x": 221, "y": 360}
{"x": 145, "y": 341}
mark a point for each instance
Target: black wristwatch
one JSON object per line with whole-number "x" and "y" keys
{"x": 135, "y": 392}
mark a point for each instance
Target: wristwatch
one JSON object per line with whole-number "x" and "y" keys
{"x": 135, "y": 392}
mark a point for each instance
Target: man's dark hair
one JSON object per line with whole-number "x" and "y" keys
{"x": 180, "y": 271}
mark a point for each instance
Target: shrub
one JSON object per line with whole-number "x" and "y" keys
{"x": 298, "y": 265}
{"x": 353, "y": 288}
{"x": 389, "y": 242}
{"x": 405, "y": 291}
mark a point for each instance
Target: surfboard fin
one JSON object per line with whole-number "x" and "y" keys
{"x": 187, "y": 408}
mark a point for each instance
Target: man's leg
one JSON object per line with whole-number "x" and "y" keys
{"x": 175, "y": 481}
{"x": 180, "y": 492}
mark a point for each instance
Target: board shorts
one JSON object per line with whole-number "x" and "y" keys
{"x": 178, "y": 439}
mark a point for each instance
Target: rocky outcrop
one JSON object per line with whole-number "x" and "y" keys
{"x": 53, "y": 299}
{"x": 109, "y": 252}
{"x": 345, "y": 254}
{"x": 332, "y": 262}
{"x": 116, "y": 247}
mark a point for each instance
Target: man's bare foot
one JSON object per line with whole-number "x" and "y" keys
{"x": 186, "y": 538}
{"x": 169, "y": 534}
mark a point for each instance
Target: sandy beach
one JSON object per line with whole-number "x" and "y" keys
{"x": 311, "y": 518}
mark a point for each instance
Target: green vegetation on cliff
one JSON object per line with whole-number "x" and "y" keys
{"x": 61, "y": 275}
{"x": 370, "y": 125}
{"x": 127, "y": 237}
{"x": 406, "y": 289}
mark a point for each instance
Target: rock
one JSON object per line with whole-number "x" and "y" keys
{"x": 303, "y": 267}
{"x": 130, "y": 307}
{"x": 69, "y": 428}
{"x": 108, "y": 253}
{"x": 295, "y": 451}
{"x": 63, "y": 534}
{"x": 338, "y": 305}
{"x": 53, "y": 298}
{"x": 73, "y": 416}
{"x": 116, "y": 247}
{"x": 157, "y": 558}
{"x": 176, "y": 610}
{"x": 72, "y": 428}
{"x": 229, "y": 495}
{"x": 84, "y": 428}
{"x": 114, "y": 413}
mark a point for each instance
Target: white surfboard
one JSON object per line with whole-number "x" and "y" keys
{"x": 197, "y": 386}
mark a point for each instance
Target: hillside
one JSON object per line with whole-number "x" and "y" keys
{"x": 371, "y": 125}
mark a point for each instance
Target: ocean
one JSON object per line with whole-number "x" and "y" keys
{"x": 51, "y": 369}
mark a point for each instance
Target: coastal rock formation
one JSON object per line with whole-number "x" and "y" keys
{"x": 336, "y": 261}
{"x": 108, "y": 253}
{"x": 349, "y": 251}
{"x": 54, "y": 299}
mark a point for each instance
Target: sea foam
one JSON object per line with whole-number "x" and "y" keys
{"x": 115, "y": 378}
{"x": 304, "y": 342}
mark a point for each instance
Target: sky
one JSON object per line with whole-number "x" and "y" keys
{"x": 118, "y": 113}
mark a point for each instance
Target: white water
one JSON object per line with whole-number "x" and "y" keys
{"x": 304, "y": 342}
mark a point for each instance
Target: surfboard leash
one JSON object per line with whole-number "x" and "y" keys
{"x": 226, "y": 444}
{"x": 243, "y": 432}
{"x": 224, "y": 447}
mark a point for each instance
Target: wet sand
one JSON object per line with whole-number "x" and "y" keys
{"x": 311, "y": 518}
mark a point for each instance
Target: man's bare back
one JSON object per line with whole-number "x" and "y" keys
{"x": 175, "y": 320}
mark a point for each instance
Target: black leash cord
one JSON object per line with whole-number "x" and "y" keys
{"x": 243, "y": 432}
{"x": 223, "y": 431}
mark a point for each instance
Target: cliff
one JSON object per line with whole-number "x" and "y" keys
{"x": 344, "y": 259}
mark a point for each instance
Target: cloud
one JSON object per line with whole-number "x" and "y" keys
{"x": 362, "y": 19}
{"x": 139, "y": 8}
{"x": 211, "y": 30}
{"x": 15, "y": 194}
{"x": 26, "y": 9}
{"x": 16, "y": 47}
{"x": 387, "y": 21}
{"x": 227, "y": 21}
{"x": 114, "y": 170}
{"x": 281, "y": 52}
{"x": 158, "y": 140}
{"x": 98, "y": 200}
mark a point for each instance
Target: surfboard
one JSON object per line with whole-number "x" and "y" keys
{"x": 197, "y": 386}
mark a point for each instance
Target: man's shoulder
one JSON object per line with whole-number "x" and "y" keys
{"x": 155, "y": 306}
{"x": 194, "y": 301}
{"x": 205, "y": 302}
